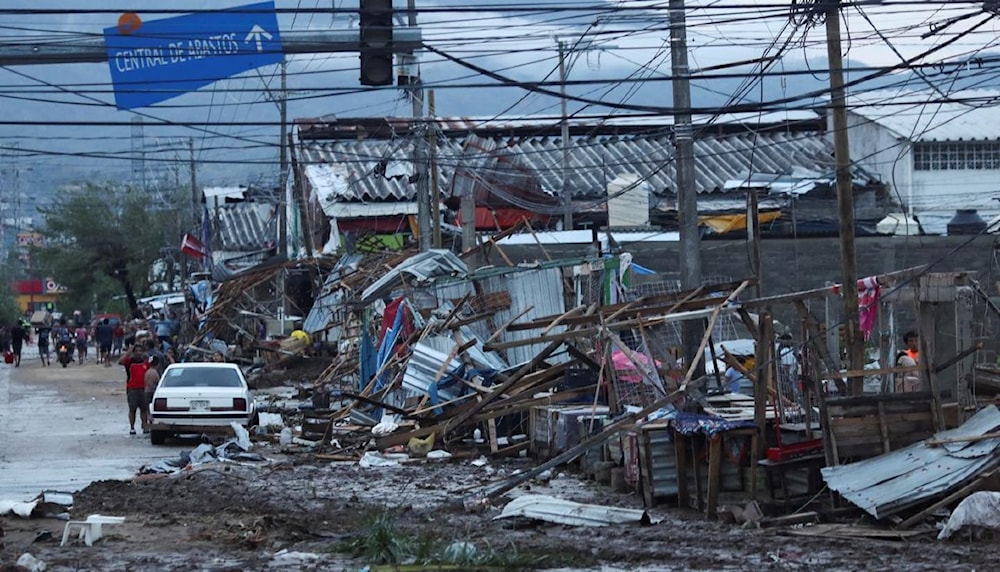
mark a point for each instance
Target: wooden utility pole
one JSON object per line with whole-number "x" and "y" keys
{"x": 845, "y": 199}
{"x": 687, "y": 199}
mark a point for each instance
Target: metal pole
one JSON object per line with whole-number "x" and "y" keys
{"x": 419, "y": 134}
{"x": 687, "y": 200}
{"x": 845, "y": 200}
{"x": 565, "y": 199}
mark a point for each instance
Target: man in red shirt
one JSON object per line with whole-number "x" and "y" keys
{"x": 136, "y": 363}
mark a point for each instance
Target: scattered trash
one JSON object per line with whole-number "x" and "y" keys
{"x": 286, "y": 437}
{"x": 242, "y": 436}
{"x": 21, "y": 509}
{"x": 544, "y": 476}
{"x": 270, "y": 421}
{"x": 386, "y": 426}
{"x": 459, "y": 552}
{"x": 420, "y": 447}
{"x": 286, "y": 557}
{"x": 551, "y": 509}
{"x": 978, "y": 509}
{"x": 480, "y": 462}
{"x": 438, "y": 455}
{"x": 42, "y": 536}
{"x": 375, "y": 459}
{"x": 29, "y": 563}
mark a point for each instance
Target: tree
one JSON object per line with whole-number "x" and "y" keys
{"x": 101, "y": 239}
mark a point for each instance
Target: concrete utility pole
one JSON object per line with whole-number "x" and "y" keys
{"x": 435, "y": 189}
{"x": 687, "y": 198}
{"x": 283, "y": 164}
{"x": 845, "y": 199}
{"x": 567, "y": 202}
{"x": 419, "y": 134}
{"x": 195, "y": 199}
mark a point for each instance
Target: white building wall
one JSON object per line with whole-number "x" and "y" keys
{"x": 932, "y": 196}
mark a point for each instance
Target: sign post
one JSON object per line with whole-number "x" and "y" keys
{"x": 154, "y": 61}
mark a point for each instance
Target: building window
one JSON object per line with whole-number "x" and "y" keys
{"x": 956, "y": 156}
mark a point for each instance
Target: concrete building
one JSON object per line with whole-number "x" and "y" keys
{"x": 937, "y": 151}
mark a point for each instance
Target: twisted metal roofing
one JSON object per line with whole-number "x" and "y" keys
{"x": 382, "y": 169}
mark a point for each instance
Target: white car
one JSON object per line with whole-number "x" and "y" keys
{"x": 198, "y": 398}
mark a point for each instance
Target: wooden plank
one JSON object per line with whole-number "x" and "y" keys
{"x": 926, "y": 330}
{"x": 626, "y": 421}
{"x": 970, "y": 439}
{"x": 812, "y": 333}
{"x": 891, "y": 417}
{"x": 854, "y": 531}
{"x": 714, "y": 477}
{"x": 680, "y": 452}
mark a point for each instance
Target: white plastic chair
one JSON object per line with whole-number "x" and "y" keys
{"x": 89, "y": 530}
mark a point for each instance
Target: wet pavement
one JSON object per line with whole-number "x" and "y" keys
{"x": 62, "y": 428}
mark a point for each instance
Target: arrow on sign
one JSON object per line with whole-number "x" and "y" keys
{"x": 257, "y": 33}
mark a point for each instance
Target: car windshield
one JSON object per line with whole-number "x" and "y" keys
{"x": 201, "y": 377}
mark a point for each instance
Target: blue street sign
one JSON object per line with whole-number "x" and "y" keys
{"x": 165, "y": 58}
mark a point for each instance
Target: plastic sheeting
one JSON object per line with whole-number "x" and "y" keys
{"x": 978, "y": 509}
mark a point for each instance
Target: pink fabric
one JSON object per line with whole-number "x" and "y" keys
{"x": 868, "y": 295}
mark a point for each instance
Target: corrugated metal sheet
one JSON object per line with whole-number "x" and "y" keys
{"x": 245, "y": 226}
{"x": 969, "y": 115}
{"x": 362, "y": 169}
{"x": 551, "y": 509}
{"x": 420, "y": 268}
{"x": 543, "y": 290}
{"x": 889, "y": 483}
{"x": 330, "y": 301}
{"x": 422, "y": 368}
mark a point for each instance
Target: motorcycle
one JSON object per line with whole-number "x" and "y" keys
{"x": 64, "y": 353}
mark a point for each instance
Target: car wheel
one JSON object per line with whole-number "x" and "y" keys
{"x": 157, "y": 437}
{"x": 254, "y": 420}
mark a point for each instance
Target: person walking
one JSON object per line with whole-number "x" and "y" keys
{"x": 18, "y": 335}
{"x": 117, "y": 340}
{"x": 104, "y": 334}
{"x": 44, "y": 334}
{"x": 136, "y": 365}
{"x": 81, "y": 341}
{"x": 152, "y": 378}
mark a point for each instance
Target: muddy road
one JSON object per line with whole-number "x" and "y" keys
{"x": 298, "y": 512}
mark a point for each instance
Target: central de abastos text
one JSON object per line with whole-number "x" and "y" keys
{"x": 176, "y": 52}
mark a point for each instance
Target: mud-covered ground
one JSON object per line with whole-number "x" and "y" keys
{"x": 313, "y": 515}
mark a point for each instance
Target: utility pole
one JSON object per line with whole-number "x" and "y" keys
{"x": 283, "y": 164}
{"x": 435, "y": 188}
{"x": 564, "y": 127}
{"x": 687, "y": 200}
{"x": 419, "y": 134}
{"x": 845, "y": 199}
{"x": 195, "y": 199}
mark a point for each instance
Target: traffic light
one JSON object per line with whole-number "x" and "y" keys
{"x": 376, "y": 42}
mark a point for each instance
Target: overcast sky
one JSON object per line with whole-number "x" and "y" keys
{"x": 624, "y": 46}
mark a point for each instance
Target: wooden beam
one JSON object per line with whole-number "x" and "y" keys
{"x": 628, "y": 420}
{"x": 959, "y": 494}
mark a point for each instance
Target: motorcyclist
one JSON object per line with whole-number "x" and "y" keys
{"x": 64, "y": 343}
